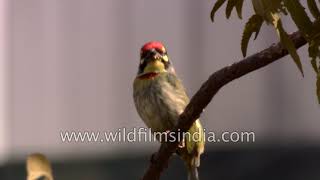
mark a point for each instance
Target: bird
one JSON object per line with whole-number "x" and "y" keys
{"x": 160, "y": 97}
{"x": 38, "y": 167}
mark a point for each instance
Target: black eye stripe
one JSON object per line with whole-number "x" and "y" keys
{"x": 159, "y": 50}
{"x": 146, "y": 53}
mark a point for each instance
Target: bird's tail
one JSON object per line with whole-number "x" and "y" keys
{"x": 193, "y": 165}
{"x": 193, "y": 173}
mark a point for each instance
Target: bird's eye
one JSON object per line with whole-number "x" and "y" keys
{"x": 143, "y": 54}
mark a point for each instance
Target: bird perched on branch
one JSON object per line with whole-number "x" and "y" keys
{"x": 160, "y": 98}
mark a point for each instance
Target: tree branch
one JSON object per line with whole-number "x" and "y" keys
{"x": 208, "y": 90}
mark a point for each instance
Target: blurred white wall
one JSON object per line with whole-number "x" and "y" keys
{"x": 72, "y": 64}
{"x": 4, "y": 121}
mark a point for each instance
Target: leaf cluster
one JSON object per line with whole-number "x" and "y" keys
{"x": 270, "y": 13}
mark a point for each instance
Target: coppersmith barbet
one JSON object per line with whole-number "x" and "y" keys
{"x": 160, "y": 98}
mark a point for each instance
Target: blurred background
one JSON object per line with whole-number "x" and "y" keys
{"x": 69, "y": 66}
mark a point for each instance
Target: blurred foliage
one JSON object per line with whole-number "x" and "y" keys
{"x": 270, "y": 12}
{"x": 38, "y": 167}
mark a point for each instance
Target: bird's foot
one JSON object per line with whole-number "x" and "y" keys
{"x": 182, "y": 144}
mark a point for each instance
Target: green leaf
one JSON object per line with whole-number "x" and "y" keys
{"x": 313, "y": 8}
{"x": 287, "y": 42}
{"x": 314, "y": 47}
{"x": 259, "y": 7}
{"x": 252, "y": 26}
{"x": 283, "y": 9}
{"x": 234, "y": 4}
{"x": 267, "y": 7}
{"x": 314, "y": 64}
{"x": 318, "y": 87}
{"x": 215, "y": 8}
{"x": 231, "y": 4}
{"x": 274, "y": 18}
{"x": 239, "y": 6}
{"x": 300, "y": 17}
{"x": 314, "y": 53}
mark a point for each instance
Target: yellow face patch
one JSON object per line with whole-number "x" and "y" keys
{"x": 165, "y": 58}
{"x": 154, "y": 66}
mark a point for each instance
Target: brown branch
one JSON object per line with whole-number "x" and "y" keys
{"x": 208, "y": 90}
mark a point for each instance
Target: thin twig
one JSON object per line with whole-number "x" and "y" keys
{"x": 208, "y": 90}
